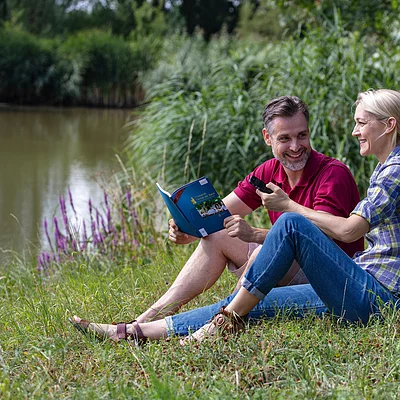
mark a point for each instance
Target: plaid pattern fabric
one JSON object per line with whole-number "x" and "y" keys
{"x": 381, "y": 208}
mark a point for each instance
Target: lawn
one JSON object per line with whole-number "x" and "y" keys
{"x": 42, "y": 356}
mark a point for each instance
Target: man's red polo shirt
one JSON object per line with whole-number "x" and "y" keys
{"x": 326, "y": 185}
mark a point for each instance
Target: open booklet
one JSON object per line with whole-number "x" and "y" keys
{"x": 196, "y": 207}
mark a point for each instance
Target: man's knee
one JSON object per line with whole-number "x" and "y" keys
{"x": 291, "y": 219}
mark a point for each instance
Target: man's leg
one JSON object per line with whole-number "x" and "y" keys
{"x": 200, "y": 272}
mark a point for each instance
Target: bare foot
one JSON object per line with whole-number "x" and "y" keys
{"x": 103, "y": 331}
{"x": 205, "y": 331}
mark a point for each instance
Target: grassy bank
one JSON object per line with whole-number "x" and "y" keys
{"x": 42, "y": 356}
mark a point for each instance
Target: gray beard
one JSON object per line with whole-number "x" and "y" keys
{"x": 296, "y": 166}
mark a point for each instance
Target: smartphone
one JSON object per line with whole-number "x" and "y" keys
{"x": 259, "y": 184}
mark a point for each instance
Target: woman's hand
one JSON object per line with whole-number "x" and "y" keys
{"x": 276, "y": 201}
{"x": 178, "y": 237}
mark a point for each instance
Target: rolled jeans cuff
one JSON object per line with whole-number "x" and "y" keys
{"x": 252, "y": 289}
{"x": 170, "y": 326}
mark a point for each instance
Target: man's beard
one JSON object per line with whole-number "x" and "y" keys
{"x": 294, "y": 166}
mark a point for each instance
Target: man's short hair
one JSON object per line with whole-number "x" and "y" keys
{"x": 284, "y": 106}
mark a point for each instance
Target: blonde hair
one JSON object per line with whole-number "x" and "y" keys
{"x": 383, "y": 103}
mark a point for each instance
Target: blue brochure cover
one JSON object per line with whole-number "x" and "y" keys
{"x": 196, "y": 207}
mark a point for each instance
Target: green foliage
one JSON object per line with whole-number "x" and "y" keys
{"x": 31, "y": 69}
{"x": 364, "y": 16}
{"x": 105, "y": 60}
{"x": 109, "y": 65}
{"x": 229, "y": 88}
{"x": 263, "y": 21}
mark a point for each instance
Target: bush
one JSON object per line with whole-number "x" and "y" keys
{"x": 109, "y": 66}
{"x": 32, "y": 71}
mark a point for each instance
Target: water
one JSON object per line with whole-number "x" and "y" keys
{"x": 45, "y": 151}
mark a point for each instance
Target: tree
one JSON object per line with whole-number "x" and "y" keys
{"x": 3, "y": 11}
{"x": 209, "y": 15}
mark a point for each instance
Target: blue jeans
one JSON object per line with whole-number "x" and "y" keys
{"x": 337, "y": 284}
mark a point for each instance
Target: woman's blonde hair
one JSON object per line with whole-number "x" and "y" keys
{"x": 383, "y": 103}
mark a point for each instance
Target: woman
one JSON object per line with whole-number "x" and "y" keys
{"x": 353, "y": 289}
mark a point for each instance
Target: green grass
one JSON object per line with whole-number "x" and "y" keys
{"x": 42, "y": 356}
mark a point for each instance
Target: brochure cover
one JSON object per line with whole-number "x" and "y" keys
{"x": 196, "y": 207}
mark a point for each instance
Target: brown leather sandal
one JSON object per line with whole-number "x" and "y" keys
{"x": 137, "y": 337}
{"x": 228, "y": 321}
{"x": 225, "y": 322}
{"x": 97, "y": 331}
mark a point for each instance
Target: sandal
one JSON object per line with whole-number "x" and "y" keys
{"x": 103, "y": 331}
{"x": 224, "y": 322}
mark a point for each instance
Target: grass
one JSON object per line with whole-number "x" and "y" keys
{"x": 42, "y": 356}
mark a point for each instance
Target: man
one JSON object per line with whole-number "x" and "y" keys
{"x": 309, "y": 178}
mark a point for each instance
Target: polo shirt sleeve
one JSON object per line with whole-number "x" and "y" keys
{"x": 382, "y": 199}
{"x": 336, "y": 191}
{"x": 247, "y": 192}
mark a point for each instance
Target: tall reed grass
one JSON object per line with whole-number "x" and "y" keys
{"x": 231, "y": 85}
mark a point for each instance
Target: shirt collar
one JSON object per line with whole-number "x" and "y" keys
{"x": 394, "y": 153}
{"x": 309, "y": 170}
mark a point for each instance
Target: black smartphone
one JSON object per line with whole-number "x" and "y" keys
{"x": 259, "y": 184}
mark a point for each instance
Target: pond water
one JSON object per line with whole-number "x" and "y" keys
{"x": 43, "y": 153}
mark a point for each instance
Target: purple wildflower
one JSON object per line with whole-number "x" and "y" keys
{"x": 47, "y": 234}
{"x": 135, "y": 218}
{"x": 71, "y": 202}
{"x": 94, "y": 235}
{"x": 106, "y": 199}
{"x": 128, "y": 198}
{"x": 63, "y": 207}
{"x": 90, "y": 209}
{"x": 84, "y": 237}
{"x": 123, "y": 225}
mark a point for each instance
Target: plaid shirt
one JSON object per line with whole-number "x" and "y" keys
{"x": 381, "y": 208}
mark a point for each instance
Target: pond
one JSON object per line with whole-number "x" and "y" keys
{"x": 44, "y": 153}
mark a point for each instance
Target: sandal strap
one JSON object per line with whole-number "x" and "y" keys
{"x": 138, "y": 336}
{"x": 121, "y": 331}
{"x": 228, "y": 321}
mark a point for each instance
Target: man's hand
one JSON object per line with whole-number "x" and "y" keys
{"x": 178, "y": 237}
{"x": 276, "y": 201}
{"x": 238, "y": 227}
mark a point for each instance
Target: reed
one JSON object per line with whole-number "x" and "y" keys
{"x": 327, "y": 68}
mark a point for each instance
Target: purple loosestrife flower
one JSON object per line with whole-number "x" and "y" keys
{"x": 128, "y": 198}
{"x": 90, "y": 209}
{"x": 123, "y": 225}
{"x": 84, "y": 237}
{"x": 63, "y": 207}
{"x": 98, "y": 219}
{"x": 47, "y": 234}
{"x": 71, "y": 202}
{"x": 94, "y": 235}
{"x": 56, "y": 233}
{"x": 40, "y": 263}
{"x": 135, "y": 218}
{"x": 73, "y": 244}
{"x": 61, "y": 241}
{"x": 110, "y": 226}
{"x": 106, "y": 199}
{"x": 103, "y": 224}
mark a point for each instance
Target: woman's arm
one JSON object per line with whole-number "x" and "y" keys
{"x": 339, "y": 228}
{"x": 344, "y": 229}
